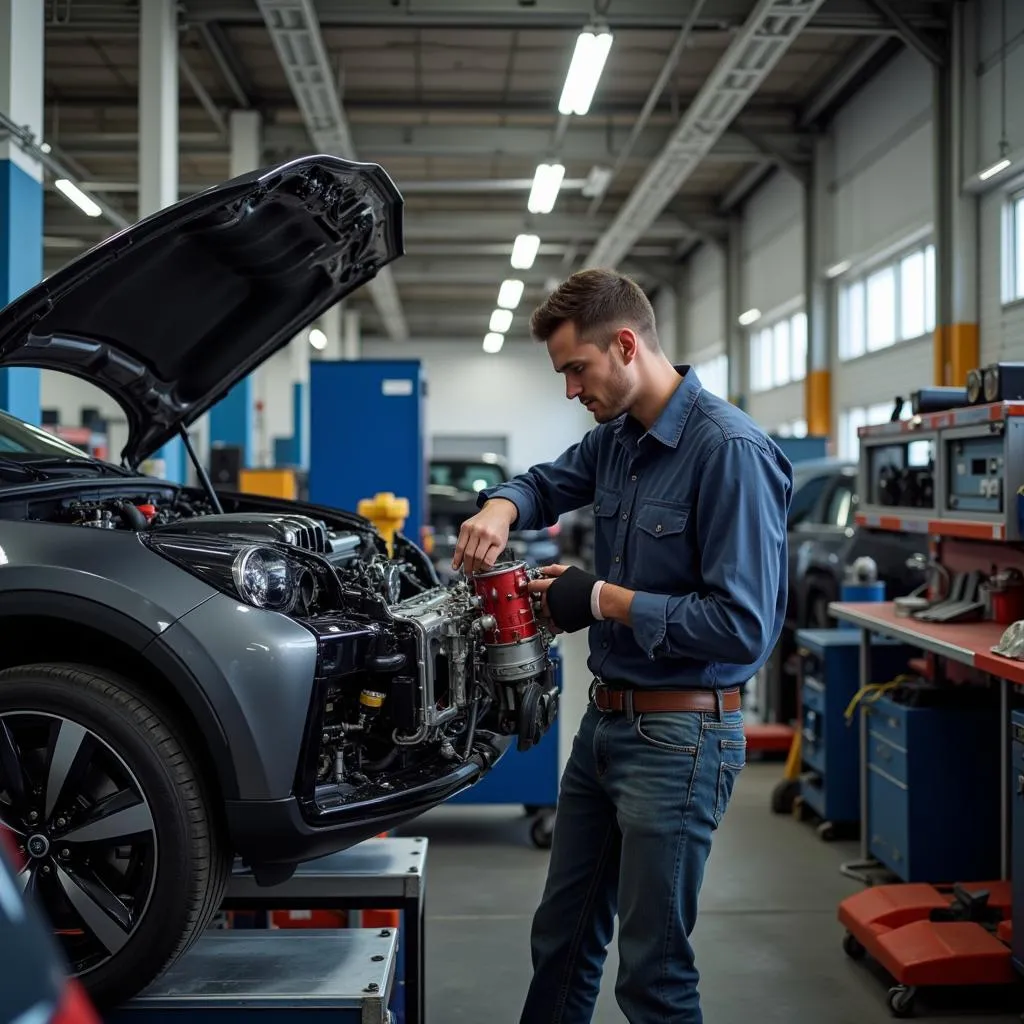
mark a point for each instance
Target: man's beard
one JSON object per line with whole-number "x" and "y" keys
{"x": 616, "y": 398}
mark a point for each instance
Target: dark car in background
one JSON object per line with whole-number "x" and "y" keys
{"x": 452, "y": 492}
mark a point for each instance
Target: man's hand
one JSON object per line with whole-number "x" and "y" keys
{"x": 484, "y": 536}
{"x": 538, "y": 589}
{"x": 613, "y": 602}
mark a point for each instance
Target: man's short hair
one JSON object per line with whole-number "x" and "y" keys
{"x": 598, "y": 303}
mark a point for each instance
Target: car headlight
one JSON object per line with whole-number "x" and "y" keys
{"x": 288, "y": 581}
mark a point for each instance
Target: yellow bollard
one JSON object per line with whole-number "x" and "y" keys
{"x": 387, "y": 513}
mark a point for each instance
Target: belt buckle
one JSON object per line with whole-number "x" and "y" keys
{"x": 592, "y": 696}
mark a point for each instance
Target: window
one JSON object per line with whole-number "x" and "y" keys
{"x": 778, "y": 352}
{"x": 714, "y": 375}
{"x": 806, "y": 495}
{"x": 1014, "y": 249}
{"x": 892, "y": 303}
{"x": 839, "y": 511}
{"x": 794, "y": 428}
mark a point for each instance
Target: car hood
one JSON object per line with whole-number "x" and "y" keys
{"x": 169, "y": 314}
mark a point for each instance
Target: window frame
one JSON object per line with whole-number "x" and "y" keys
{"x": 853, "y": 305}
{"x": 1013, "y": 255}
{"x": 761, "y": 345}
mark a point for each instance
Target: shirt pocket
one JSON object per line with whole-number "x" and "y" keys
{"x": 606, "y": 522}
{"x": 663, "y": 555}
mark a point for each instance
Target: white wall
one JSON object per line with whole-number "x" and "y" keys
{"x": 704, "y": 301}
{"x": 882, "y": 196}
{"x": 515, "y": 393}
{"x": 1002, "y": 327}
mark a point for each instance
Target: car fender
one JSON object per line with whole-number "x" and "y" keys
{"x": 62, "y": 606}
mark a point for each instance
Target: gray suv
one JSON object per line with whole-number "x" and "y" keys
{"x": 192, "y": 681}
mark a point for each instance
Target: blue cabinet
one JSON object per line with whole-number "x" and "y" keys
{"x": 829, "y": 745}
{"x": 1017, "y": 835}
{"x": 933, "y": 790}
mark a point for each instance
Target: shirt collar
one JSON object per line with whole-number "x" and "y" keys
{"x": 668, "y": 427}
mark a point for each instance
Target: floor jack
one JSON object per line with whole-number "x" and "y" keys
{"x": 932, "y": 935}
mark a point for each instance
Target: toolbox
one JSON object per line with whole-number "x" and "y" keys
{"x": 933, "y": 790}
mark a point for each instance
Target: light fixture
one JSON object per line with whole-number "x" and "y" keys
{"x": 547, "y": 180}
{"x": 991, "y": 172}
{"x": 318, "y": 339}
{"x": 71, "y": 191}
{"x": 501, "y": 321}
{"x": 510, "y": 293}
{"x": 838, "y": 268}
{"x": 588, "y": 59}
{"x": 493, "y": 343}
{"x": 524, "y": 251}
{"x": 749, "y": 317}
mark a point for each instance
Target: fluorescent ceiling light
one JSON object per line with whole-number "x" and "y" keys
{"x": 510, "y": 293}
{"x": 318, "y": 339}
{"x": 501, "y": 321}
{"x": 838, "y": 268}
{"x": 592, "y": 46}
{"x": 493, "y": 342}
{"x": 989, "y": 172}
{"x": 547, "y": 180}
{"x": 524, "y": 251}
{"x": 749, "y": 317}
{"x": 78, "y": 197}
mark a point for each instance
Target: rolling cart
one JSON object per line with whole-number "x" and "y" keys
{"x": 529, "y": 778}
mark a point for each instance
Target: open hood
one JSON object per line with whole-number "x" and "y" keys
{"x": 169, "y": 314}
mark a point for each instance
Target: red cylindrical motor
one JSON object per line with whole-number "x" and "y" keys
{"x": 515, "y": 647}
{"x": 503, "y": 594}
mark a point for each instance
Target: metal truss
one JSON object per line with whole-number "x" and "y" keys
{"x": 295, "y": 32}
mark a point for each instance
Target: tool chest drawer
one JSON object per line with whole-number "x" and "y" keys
{"x": 829, "y": 743}
{"x": 933, "y": 790}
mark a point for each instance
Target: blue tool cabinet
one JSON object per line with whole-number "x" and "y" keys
{"x": 933, "y": 791}
{"x": 1016, "y": 769}
{"x": 529, "y": 778}
{"x": 368, "y": 434}
{"x": 829, "y": 745}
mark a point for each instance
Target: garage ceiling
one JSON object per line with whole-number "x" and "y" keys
{"x": 458, "y": 101}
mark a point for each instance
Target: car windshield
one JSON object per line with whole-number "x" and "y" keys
{"x": 22, "y": 441}
{"x": 466, "y": 475}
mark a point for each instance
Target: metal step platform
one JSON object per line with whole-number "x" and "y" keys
{"x": 379, "y": 874}
{"x": 344, "y": 975}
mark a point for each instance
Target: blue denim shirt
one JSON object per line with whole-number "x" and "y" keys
{"x": 691, "y": 515}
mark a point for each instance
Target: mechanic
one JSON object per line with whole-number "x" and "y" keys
{"x": 690, "y": 505}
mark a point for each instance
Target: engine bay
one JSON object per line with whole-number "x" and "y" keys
{"x": 413, "y": 674}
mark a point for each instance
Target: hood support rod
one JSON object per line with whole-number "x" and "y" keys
{"x": 204, "y": 477}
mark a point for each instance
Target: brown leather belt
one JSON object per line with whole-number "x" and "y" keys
{"x": 637, "y": 701}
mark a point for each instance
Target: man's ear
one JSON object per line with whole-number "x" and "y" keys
{"x": 628, "y": 343}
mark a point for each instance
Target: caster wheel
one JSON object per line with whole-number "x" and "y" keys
{"x": 901, "y": 1001}
{"x": 826, "y": 831}
{"x": 852, "y": 947}
{"x": 783, "y": 796}
{"x": 541, "y": 830}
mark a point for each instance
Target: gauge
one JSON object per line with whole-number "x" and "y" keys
{"x": 991, "y": 381}
{"x": 974, "y": 385}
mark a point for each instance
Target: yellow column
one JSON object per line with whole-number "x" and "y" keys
{"x": 818, "y": 403}
{"x": 387, "y": 513}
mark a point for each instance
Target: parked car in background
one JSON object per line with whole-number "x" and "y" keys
{"x": 452, "y": 493}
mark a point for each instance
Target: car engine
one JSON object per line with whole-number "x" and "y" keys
{"x": 413, "y": 675}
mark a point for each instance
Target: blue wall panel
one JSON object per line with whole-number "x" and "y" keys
{"x": 367, "y": 434}
{"x": 231, "y": 420}
{"x": 21, "y": 267}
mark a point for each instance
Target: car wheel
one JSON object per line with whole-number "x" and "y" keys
{"x": 119, "y": 843}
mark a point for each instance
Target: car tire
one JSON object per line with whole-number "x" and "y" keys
{"x": 127, "y": 858}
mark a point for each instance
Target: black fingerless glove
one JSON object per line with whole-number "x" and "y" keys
{"x": 569, "y": 600}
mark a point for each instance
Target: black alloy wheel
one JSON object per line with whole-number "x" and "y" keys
{"x": 115, "y": 833}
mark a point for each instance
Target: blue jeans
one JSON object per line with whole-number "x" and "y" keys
{"x": 638, "y": 804}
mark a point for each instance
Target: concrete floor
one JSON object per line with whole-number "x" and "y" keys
{"x": 768, "y": 943}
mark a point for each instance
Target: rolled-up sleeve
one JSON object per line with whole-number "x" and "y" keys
{"x": 548, "y": 490}
{"x": 741, "y": 515}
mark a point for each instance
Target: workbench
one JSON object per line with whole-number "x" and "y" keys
{"x": 967, "y": 644}
{"x": 342, "y": 975}
{"x": 379, "y": 874}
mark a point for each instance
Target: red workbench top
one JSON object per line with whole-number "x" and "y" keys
{"x": 969, "y": 643}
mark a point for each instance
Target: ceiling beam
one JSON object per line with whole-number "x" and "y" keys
{"x": 749, "y": 59}
{"x": 843, "y": 79}
{"x": 295, "y": 32}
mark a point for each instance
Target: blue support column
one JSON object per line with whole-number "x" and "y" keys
{"x": 21, "y": 183}
{"x": 21, "y": 267}
{"x": 231, "y": 420}
{"x": 300, "y": 423}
